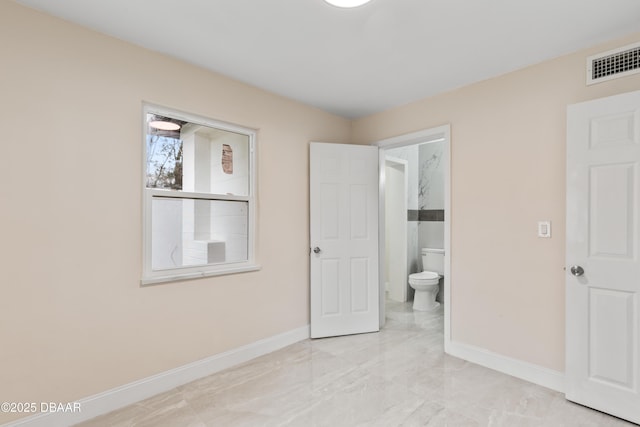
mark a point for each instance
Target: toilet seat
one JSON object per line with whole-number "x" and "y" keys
{"x": 424, "y": 278}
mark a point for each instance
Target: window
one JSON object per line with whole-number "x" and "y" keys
{"x": 199, "y": 197}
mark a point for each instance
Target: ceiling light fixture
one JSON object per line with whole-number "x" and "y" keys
{"x": 347, "y": 3}
{"x": 164, "y": 125}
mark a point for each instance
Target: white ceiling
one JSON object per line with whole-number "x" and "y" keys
{"x": 355, "y": 62}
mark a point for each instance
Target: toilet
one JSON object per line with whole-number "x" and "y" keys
{"x": 426, "y": 282}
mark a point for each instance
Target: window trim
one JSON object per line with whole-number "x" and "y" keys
{"x": 150, "y": 276}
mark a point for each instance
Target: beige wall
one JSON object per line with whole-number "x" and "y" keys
{"x": 73, "y": 319}
{"x": 508, "y": 172}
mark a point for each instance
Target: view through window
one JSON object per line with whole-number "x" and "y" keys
{"x": 199, "y": 195}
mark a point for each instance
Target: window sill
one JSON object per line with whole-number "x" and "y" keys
{"x": 198, "y": 275}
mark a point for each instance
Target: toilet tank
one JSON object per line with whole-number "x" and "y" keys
{"x": 433, "y": 260}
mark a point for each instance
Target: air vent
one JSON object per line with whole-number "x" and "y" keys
{"x": 615, "y": 63}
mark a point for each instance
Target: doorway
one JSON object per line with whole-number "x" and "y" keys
{"x": 439, "y": 134}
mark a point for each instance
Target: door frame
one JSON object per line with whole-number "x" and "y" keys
{"x": 435, "y": 134}
{"x": 404, "y": 164}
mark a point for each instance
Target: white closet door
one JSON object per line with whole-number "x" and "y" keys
{"x": 603, "y": 271}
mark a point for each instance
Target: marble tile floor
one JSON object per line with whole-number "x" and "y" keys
{"x": 397, "y": 377}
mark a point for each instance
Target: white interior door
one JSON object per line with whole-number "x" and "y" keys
{"x": 344, "y": 239}
{"x": 603, "y": 272}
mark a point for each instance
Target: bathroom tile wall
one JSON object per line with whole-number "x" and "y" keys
{"x": 431, "y": 199}
{"x": 431, "y": 195}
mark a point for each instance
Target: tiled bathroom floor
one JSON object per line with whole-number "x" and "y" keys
{"x": 397, "y": 377}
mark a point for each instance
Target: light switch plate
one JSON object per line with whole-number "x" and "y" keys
{"x": 544, "y": 228}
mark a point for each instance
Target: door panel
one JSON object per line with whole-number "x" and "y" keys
{"x": 330, "y": 278}
{"x": 329, "y": 208}
{"x": 359, "y": 285}
{"x": 602, "y": 324}
{"x": 611, "y": 337}
{"x": 359, "y": 215}
{"x": 344, "y": 228}
{"x": 611, "y": 195}
{"x": 614, "y": 130}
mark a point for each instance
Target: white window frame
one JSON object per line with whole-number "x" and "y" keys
{"x": 150, "y": 276}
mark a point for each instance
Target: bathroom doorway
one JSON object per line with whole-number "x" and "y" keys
{"x": 414, "y": 211}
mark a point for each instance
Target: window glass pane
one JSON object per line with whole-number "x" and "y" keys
{"x": 192, "y": 232}
{"x": 196, "y": 158}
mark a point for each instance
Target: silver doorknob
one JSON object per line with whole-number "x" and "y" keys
{"x": 576, "y": 270}
{"x": 316, "y": 250}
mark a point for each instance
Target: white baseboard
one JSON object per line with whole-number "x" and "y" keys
{"x": 125, "y": 395}
{"x": 526, "y": 371}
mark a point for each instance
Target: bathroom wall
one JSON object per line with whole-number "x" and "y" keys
{"x": 410, "y": 154}
{"x": 425, "y": 199}
{"x": 431, "y": 195}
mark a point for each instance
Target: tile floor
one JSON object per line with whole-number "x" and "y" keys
{"x": 397, "y": 377}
